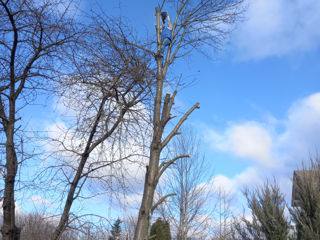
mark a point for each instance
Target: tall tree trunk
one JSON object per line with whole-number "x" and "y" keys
{"x": 9, "y": 230}
{"x": 181, "y": 234}
{"x": 161, "y": 116}
{"x": 150, "y": 184}
{"x": 141, "y": 232}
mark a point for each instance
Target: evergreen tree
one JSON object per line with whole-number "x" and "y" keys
{"x": 267, "y": 205}
{"x": 116, "y": 230}
{"x": 161, "y": 230}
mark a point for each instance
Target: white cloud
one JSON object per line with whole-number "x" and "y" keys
{"x": 250, "y": 176}
{"x": 262, "y": 145}
{"x": 221, "y": 182}
{"x": 38, "y": 200}
{"x": 130, "y": 202}
{"x": 302, "y": 127}
{"x": 272, "y": 151}
{"x": 278, "y": 28}
{"x": 232, "y": 185}
{"x": 248, "y": 140}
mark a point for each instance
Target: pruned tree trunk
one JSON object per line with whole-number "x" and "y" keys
{"x": 161, "y": 116}
{"x": 147, "y": 200}
{"x": 152, "y": 172}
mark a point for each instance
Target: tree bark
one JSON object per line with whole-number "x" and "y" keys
{"x": 145, "y": 212}
{"x": 9, "y": 230}
{"x": 141, "y": 232}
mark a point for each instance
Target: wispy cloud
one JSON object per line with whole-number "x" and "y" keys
{"x": 278, "y": 28}
{"x": 38, "y": 200}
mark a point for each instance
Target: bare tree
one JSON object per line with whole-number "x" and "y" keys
{"x": 104, "y": 97}
{"x": 32, "y": 34}
{"x": 129, "y": 226}
{"x": 38, "y": 227}
{"x": 223, "y": 215}
{"x": 195, "y": 23}
{"x": 188, "y": 211}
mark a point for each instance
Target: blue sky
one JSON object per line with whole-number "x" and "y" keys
{"x": 259, "y": 96}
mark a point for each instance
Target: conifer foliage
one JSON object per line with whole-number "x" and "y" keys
{"x": 267, "y": 205}
{"x": 160, "y": 230}
{"x": 116, "y": 230}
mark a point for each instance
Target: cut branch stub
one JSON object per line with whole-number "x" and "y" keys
{"x": 178, "y": 125}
